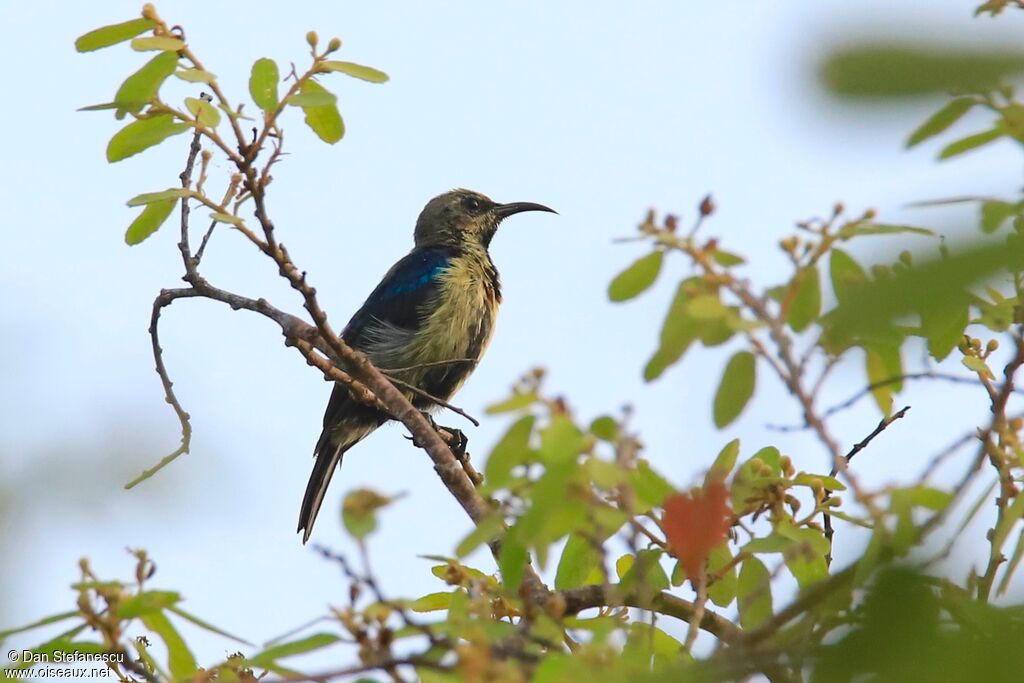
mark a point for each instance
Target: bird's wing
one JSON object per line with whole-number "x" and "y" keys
{"x": 394, "y": 306}
{"x": 387, "y": 321}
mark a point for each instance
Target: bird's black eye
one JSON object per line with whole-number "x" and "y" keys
{"x": 472, "y": 205}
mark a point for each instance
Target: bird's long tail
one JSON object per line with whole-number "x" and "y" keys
{"x": 327, "y": 461}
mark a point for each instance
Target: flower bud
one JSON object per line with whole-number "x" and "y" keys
{"x": 312, "y": 38}
{"x": 707, "y": 206}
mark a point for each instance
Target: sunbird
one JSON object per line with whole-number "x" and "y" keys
{"x": 426, "y": 324}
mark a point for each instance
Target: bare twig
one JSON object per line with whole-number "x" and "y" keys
{"x": 857, "y": 448}
{"x": 953, "y": 379}
{"x": 431, "y": 364}
{"x": 206, "y": 239}
{"x": 430, "y": 397}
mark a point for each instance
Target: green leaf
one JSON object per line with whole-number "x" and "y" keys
{"x": 736, "y": 388}
{"x": 553, "y": 513}
{"x": 196, "y": 76}
{"x": 806, "y": 568}
{"x": 723, "y": 591}
{"x": 263, "y": 84}
{"x": 636, "y": 278}
{"x": 366, "y": 73}
{"x": 204, "y": 111}
{"x": 846, "y": 274}
{"x": 579, "y": 559}
{"x": 512, "y": 562}
{"x": 149, "y": 221}
{"x": 860, "y": 229}
{"x": 180, "y": 660}
{"x": 827, "y": 482}
{"x": 99, "y": 107}
{"x": 325, "y": 120}
{"x": 877, "y": 367}
{"x": 707, "y": 307}
{"x": 206, "y": 626}
{"x": 994, "y": 214}
{"x": 727, "y": 258}
{"x": 432, "y": 602}
{"x": 724, "y": 462}
{"x": 147, "y": 602}
{"x": 226, "y": 218}
{"x": 772, "y": 543}
{"x": 512, "y": 450}
{"x": 142, "y": 87}
{"x": 517, "y": 401}
{"x": 678, "y": 331}
{"x": 316, "y": 641}
{"x": 553, "y": 668}
{"x": 806, "y": 304}
{"x": 899, "y": 70}
{"x": 150, "y": 197}
{"x": 971, "y": 142}
{"x": 754, "y": 592}
{"x": 560, "y": 441}
{"x": 941, "y": 120}
{"x": 142, "y": 134}
{"x": 651, "y": 488}
{"x": 935, "y": 287}
{"x": 359, "y": 511}
{"x": 165, "y": 43}
{"x": 945, "y": 331}
{"x": 605, "y": 428}
{"x": 312, "y": 99}
{"x": 46, "y": 621}
{"x": 642, "y": 572}
{"x": 486, "y": 530}
{"x": 931, "y": 498}
{"x": 442, "y": 571}
{"x": 112, "y": 35}
{"x": 975, "y": 364}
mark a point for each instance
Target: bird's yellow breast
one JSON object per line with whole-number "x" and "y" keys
{"x": 460, "y": 322}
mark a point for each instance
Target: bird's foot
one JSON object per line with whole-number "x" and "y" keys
{"x": 457, "y": 442}
{"x": 455, "y": 438}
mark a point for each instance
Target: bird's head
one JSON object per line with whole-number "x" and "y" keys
{"x": 464, "y": 217}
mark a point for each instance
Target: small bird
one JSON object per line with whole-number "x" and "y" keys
{"x": 428, "y": 321}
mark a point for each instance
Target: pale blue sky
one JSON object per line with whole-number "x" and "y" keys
{"x": 595, "y": 110}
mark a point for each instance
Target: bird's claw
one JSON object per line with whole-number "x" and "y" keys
{"x": 457, "y": 441}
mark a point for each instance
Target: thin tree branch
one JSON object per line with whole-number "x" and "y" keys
{"x": 857, "y": 448}
{"x": 435, "y": 399}
{"x": 953, "y": 379}
{"x": 202, "y": 244}
{"x": 587, "y": 597}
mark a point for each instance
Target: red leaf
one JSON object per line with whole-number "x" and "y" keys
{"x": 695, "y": 523}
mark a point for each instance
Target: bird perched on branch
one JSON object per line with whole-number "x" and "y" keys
{"x": 427, "y": 324}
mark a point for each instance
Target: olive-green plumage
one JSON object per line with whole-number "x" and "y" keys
{"x": 436, "y": 304}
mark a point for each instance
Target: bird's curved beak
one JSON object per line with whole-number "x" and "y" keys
{"x": 506, "y": 210}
